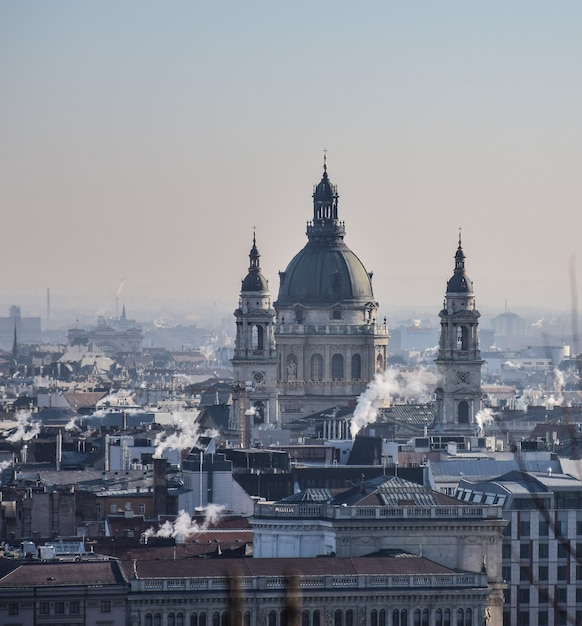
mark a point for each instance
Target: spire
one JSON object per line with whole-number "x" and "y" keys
{"x": 460, "y": 282}
{"x": 325, "y": 225}
{"x": 459, "y": 256}
{"x": 254, "y": 280}
{"x": 15, "y": 346}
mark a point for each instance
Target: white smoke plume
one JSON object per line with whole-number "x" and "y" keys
{"x": 72, "y": 423}
{"x": 483, "y": 418}
{"x": 185, "y": 435}
{"x": 27, "y": 428}
{"x": 385, "y": 386}
{"x": 185, "y": 526}
{"x": 5, "y": 465}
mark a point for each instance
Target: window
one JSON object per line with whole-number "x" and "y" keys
{"x": 542, "y": 618}
{"x": 338, "y": 618}
{"x": 356, "y": 367}
{"x": 543, "y": 595}
{"x": 524, "y": 573}
{"x": 544, "y": 528}
{"x": 543, "y": 572}
{"x": 316, "y": 367}
{"x": 13, "y": 608}
{"x": 142, "y": 509}
{"x": 74, "y": 608}
{"x": 59, "y": 608}
{"x": 337, "y": 367}
{"x": 524, "y": 618}
{"x": 524, "y": 595}
{"x": 506, "y": 572}
{"x": 105, "y": 606}
{"x": 524, "y": 528}
{"x": 562, "y": 572}
{"x": 563, "y": 550}
{"x": 562, "y": 594}
{"x": 544, "y": 550}
{"x": 44, "y": 608}
{"x": 113, "y": 507}
{"x": 524, "y": 550}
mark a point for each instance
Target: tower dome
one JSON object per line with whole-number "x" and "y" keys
{"x": 325, "y": 271}
{"x": 459, "y": 281}
{"x": 254, "y": 280}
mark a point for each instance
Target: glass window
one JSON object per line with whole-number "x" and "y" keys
{"x": 13, "y": 608}
{"x": 524, "y": 595}
{"x": 44, "y": 608}
{"x": 544, "y": 528}
{"x": 543, "y": 572}
{"x": 544, "y": 550}
{"x": 105, "y": 606}
{"x": 542, "y": 618}
{"x": 59, "y": 608}
{"x": 524, "y": 573}
{"x": 562, "y": 572}
{"x": 74, "y": 608}
{"x": 563, "y": 550}
{"x": 524, "y": 528}
{"x": 524, "y": 550}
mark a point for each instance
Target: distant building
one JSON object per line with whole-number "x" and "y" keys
{"x": 25, "y": 329}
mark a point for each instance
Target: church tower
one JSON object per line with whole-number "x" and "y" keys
{"x": 329, "y": 345}
{"x": 458, "y": 397}
{"x": 254, "y": 362}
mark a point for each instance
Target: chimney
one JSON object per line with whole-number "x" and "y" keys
{"x": 160, "y": 487}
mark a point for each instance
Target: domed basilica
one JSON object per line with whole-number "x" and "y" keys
{"x": 319, "y": 345}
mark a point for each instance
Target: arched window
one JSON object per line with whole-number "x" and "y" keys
{"x": 316, "y": 367}
{"x": 272, "y": 618}
{"x": 356, "y": 367}
{"x": 438, "y": 617}
{"x": 349, "y": 617}
{"x": 305, "y": 618}
{"x": 374, "y": 618}
{"x": 395, "y": 617}
{"x": 337, "y": 314}
{"x": 469, "y": 617}
{"x": 462, "y": 338}
{"x": 337, "y": 367}
{"x": 416, "y": 617}
{"x": 148, "y": 619}
{"x": 338, "y": 618}
{"x": 157, "y": 619}
{"x": 247, "y": 621}
{"x": 316, "y": 618}
{"x": 425, "y": 615}
{"x": 171, "y": 619}
{"x": 379, "y": 363}
{"x": 447, "y": 617}
{"x": 179, "y": 619}
{"x": 216, "y": 619}
{"x": 224, "y": 619}
{"x": 257, "y": 337}
{"x": 460, "y": 617}
{"x": 382, "y": 617}
{"x": 202, "y": 619}
{"x": 463, "y": 412}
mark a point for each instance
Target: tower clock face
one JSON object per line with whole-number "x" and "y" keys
{"x": 463, "y": 377}
{"x": 259, "y": 377}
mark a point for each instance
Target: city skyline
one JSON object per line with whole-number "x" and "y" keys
{"x": 142, "y": 145}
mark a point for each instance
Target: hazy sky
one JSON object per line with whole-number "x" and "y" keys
{"x": 141, "y": 142}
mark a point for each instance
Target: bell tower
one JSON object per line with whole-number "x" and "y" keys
{"x": 458, "y": 395}
{"x": 255, "y": 361}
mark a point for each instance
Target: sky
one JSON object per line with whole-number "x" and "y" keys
{"x": 142, "y": 143}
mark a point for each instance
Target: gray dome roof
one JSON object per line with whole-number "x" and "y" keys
{"x": 321, "y": 274}
{"x": 254, "y": 280}
{"x": 459, "y": 281}
{"x": 326, "y": 271}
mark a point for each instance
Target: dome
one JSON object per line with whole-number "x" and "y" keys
{"x": 321, "y": 274}
{"x": 459, "y": 281}
{"x": 254, "y": 280}
{"x": 326, "y": 271}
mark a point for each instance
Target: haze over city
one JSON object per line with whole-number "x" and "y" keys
{"x": 142, "y": 142}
